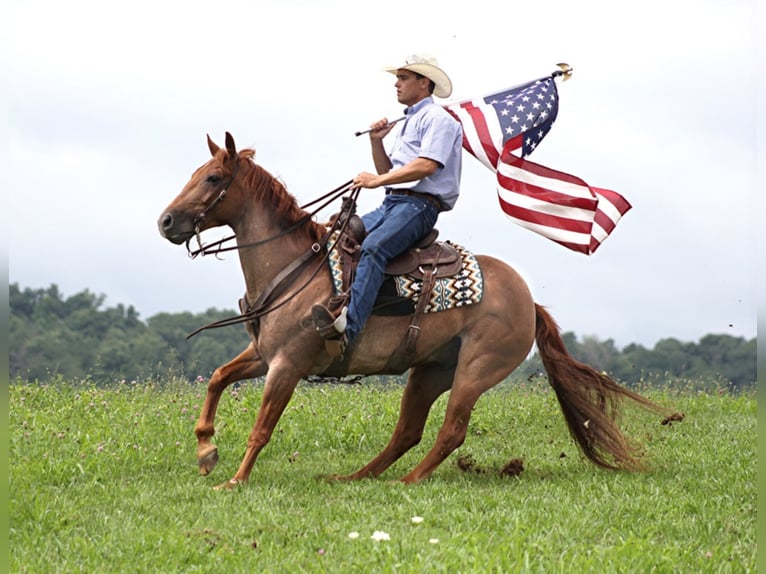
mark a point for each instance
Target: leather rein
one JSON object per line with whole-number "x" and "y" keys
{"x": 265, "y": 303}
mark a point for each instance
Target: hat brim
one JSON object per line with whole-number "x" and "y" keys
{"x": 442, "y": 83}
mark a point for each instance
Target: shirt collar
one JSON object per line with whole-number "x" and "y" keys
{"x": 419, "y": 106}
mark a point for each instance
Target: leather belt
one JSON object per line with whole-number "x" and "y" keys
{"x": 427, "y": 196}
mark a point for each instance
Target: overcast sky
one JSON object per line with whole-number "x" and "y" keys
{"x": 109, "y": 105}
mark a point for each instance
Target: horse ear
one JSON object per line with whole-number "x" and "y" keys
{"x": 212, "y": 145}
{"x": 230, "y": 147}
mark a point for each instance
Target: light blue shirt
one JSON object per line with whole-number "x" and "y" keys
{"x": 429, "y": 131}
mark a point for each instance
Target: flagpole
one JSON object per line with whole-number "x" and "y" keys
{"x": 565, "y": 71}
{"x": 357, "y": 134}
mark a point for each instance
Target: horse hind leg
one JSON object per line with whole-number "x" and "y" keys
{"x": 483, "y": 363}
{"x": 424, "y": 385}
{"x": 247, "y": 365}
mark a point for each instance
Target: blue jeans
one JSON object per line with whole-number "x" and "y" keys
{"x": 392, "y": 228}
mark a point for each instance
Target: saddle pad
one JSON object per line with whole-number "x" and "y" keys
{"x": 464, "y": 288}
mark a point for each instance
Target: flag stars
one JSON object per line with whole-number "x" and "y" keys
{"x": 526, "y": 111}
{"x": 502, "y": 120}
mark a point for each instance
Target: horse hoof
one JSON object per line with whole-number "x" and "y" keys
{"x": 228, "y": 485}
{"x": 207, "y": 461}
{"x": 335, "y": 478}
{"x": 346, "y": 477}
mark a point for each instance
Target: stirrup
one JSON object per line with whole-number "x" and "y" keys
{"x": 331, "y": 328}
{"x": 326, "y": 323}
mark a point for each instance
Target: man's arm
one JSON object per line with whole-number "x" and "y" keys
{"x": 415, "y": 170}
{"x": 379, "y": 156}
{"x": 378, "y": 131}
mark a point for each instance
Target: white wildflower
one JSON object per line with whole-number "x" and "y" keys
{"x": 379, "y": 535}
{"x": 433, "y": 540}
{"x": 353, "y": 535}
{"x": 417, "y": 519}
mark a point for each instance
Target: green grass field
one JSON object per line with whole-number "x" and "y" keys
{"x": 105, "y": 480}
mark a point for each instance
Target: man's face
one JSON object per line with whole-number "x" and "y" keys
{"x": 410, "y": 88}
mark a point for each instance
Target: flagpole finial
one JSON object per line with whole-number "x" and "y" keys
{"x": 566, "y": 71}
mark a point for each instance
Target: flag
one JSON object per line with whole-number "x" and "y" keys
{"x": 501, "y": 130}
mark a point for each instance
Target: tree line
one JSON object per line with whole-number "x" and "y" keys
{"x": 78, "y": 337}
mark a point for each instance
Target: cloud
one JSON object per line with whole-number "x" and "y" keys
{"x": 109, "y": 108}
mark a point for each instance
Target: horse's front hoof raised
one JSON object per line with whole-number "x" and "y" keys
{"x": 207, "y": 460}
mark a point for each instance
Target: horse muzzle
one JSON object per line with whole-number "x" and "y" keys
{"x": 174, "y": 230}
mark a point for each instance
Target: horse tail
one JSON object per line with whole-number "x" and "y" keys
{"x": 589, "y": 400}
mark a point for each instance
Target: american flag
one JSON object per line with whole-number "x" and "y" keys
{"x": 500, "y": 130}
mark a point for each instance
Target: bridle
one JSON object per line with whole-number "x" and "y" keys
{"x": 222, "y": 189}
{"x": 265, "y": 303}
{"x": 217, "y": 246}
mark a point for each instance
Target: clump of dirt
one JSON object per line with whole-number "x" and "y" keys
{"x": 467, "y": 463}
{"x": 669, "y": 420}
{"x": 513, "y": 468}
{"x": 209, "y": 537}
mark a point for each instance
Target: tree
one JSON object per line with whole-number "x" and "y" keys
{"x": 77, "y": 336}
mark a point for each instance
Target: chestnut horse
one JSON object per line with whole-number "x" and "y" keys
{"x": 466, "y": 350}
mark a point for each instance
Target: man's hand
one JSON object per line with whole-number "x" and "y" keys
{"x": 366, "y": 179}
{"x": 380, "y": 129}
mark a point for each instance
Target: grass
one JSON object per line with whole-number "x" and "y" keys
{"x": 105, "y": 480}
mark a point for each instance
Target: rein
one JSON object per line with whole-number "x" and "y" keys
{"x": 278, "y": 285}
{"x": 217, "y": 246}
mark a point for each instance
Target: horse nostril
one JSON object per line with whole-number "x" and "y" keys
{"x": 167, "y": 221}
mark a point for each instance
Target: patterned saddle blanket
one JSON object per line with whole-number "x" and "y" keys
{"x": 400, "y": 293}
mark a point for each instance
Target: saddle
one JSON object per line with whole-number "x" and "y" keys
{"x": 428, "y": 254}
{"x": 426, "y": 261}
{"x": 442, "y": 258}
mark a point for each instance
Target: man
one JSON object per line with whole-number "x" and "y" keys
{"x": 421, "y": 176}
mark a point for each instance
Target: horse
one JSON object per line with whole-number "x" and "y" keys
{"x": 465, "y": 350}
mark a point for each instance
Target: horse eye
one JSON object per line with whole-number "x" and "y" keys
{"x": 214, "y": 179}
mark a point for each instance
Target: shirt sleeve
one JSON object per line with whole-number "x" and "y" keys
{"x": 438, "y": 135}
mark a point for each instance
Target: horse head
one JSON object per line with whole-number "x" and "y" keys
{"x": 201, "y": 205}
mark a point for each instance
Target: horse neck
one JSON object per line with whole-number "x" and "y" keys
{"x": 276, "y": 246}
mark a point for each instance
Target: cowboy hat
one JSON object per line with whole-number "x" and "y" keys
{"x": 427, "y": 66}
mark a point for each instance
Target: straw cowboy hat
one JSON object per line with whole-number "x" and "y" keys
{"x": 427, "y": 66}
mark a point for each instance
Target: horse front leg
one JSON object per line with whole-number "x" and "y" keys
{"x": 247, "y": 365}
{"x": 279, "y": 387}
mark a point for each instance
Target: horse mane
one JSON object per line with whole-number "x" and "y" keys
{"x": 268, "y": 188}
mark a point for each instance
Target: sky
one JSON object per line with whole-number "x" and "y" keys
{"x": 108, "y": 107}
